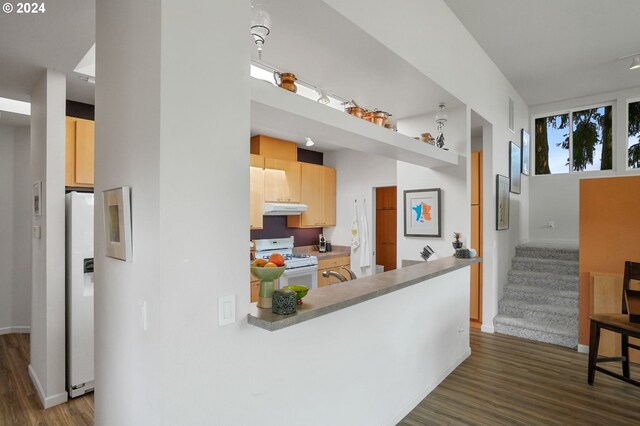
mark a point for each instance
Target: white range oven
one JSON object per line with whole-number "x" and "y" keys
{"x": 301, "y": 269}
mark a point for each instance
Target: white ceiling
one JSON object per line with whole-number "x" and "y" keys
{"x": 554, "y": 50}
{"x": 57, "y": 39}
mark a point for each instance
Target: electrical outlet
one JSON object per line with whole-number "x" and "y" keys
{"x": 226, "y": 309}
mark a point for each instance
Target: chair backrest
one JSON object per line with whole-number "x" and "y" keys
{"x": 631, "y": 272}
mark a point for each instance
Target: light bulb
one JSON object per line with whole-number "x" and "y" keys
{"x": 323, "y": 99}
{"x": 309, "y": 142}
{"x": 635, "y": 64}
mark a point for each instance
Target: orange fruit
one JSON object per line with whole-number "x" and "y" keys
{"x": 270, "y": 265}
{"x": 259, "y": 263}
{"x": 277, "y": 258}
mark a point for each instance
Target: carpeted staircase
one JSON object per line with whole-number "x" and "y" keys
{"x": 540, "y": 299}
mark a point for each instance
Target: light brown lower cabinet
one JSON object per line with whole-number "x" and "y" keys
{"x": 255, "y": 290}
{"x": 332, "y": 264}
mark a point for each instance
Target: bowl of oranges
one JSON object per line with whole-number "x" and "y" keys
{"x": 269, "y": 269}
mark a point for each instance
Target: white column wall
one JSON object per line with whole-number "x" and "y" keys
{"x": 22, "y": 214}
{"x": 6, "y": 228}
{"x": 47, "y": 366}
{"x": 128, "y": 374}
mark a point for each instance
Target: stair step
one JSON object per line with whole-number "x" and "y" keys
{"x": 547, "y": 252}
{"x": 556, "y": 334}
{"x": 542, "y": 295}
{"x": 537, "y": 312}
{"x": 543, "y": 280}
{"x": 551, "y": 266}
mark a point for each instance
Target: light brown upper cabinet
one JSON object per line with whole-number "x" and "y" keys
{"x": 256, "y": 185}
{"x": 274, "y": 148}
{"x": 79, "y": 152}
{"x": 319, "y": 194}
{"x": 281, "y": 181}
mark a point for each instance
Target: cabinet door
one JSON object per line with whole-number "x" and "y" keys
{"x": 329, "y": 196}
{"x": 256, "y": 200}
{"x": 313, "y": 194}
{"x": 282, "y": 181}
{"x": 70, "y": 157}
{"x": 85, "y": 141}
{"x": 255, "y": 290}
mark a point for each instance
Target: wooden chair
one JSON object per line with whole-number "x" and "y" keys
{"x": 618, "y": 323}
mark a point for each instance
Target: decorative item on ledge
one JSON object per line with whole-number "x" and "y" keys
{"x": 287, "y": 80}
{"x": 457, "y": 244}
{"x": 284, "y": 302}
{"x": 300, "y": 290}
{"x": 427, "y": 138}
{"x": 464, "y": 253}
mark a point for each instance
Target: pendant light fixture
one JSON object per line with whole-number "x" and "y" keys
{"x": 441, "y": 118}
{"x": 260, "y": 26}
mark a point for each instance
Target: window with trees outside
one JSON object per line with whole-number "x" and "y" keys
{"x": 634, "y": 135}
{"x": 576, "y": 141}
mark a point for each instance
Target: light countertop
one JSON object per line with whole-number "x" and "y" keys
{"x": 322, "y": 301}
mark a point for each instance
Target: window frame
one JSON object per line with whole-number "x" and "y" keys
{"x": 626, "y": 131}
{"x": 570, "y": 112}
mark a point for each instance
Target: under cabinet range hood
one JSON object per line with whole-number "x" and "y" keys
{"x": 282, "y": 209}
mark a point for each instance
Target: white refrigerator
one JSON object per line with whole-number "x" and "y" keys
{"x": 79, "y": 280}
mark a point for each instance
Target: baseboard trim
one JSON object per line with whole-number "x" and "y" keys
{"x": 46, "y": 401}
{"x": 413, "y": 403}
{"x": 487, "y": 329}
{"x": 19, "y": 329}
{"x": 583, "y": 349}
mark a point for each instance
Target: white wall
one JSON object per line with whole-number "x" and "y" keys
{"x": 556, "y": 197}
{"x": 186, "y": 369}
{"x": 47, "y": 366}
{"x": 22, "y": 231}
{"x": 444, "y": 56}
{"x": 451, "y": 180}
{"x": 15, "y": 230}
{"x": 6, "y": 228}
{"x": 357, "y": 176}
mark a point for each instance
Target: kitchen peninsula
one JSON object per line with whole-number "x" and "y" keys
{"x": 323, "y": 301}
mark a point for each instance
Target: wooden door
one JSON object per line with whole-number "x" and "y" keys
{"x": 282, "y": 181}
{"x": 475, "y": 308}
{"x": 386, "y": 227}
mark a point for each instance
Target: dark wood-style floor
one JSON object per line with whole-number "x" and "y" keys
{"x": 505, "y": 381}
{"x": 19, "y": 404}
{"x": 510, "y": 381}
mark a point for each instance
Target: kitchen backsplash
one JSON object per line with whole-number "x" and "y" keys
{"x": 276, "y": 227}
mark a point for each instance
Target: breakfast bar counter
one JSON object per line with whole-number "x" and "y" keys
{"x": 325, "y": 300}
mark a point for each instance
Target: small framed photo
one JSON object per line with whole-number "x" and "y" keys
{"x": 514, "y": 168}
{"x": 117, "y": 223}
{"x": 37, "y": 199}
{"x": 502, "y": 202}
{"x": 423, "y": 213}
{"x": 525, "y": 141}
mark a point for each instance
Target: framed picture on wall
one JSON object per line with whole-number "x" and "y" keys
{"x": 525, "y": 141}
{"x": 423, "y": 213}
{"x": 502, "y": 202}
{"x": 117, "y": 223}
{"x": 514, "y": 168}
{"x": 37, "y": 199}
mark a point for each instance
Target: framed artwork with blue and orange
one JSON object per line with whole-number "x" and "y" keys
{"x": 423, "y": 213}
